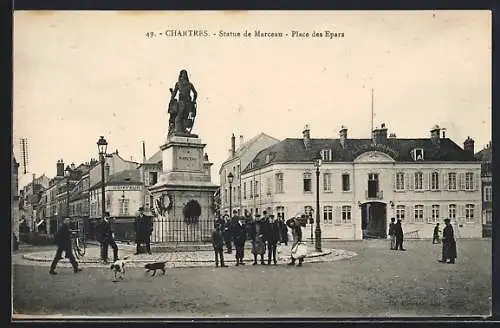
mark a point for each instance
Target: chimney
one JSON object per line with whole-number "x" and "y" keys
{"x": 72, "y": 166}
{"x": 233, "y": 145}
{"x": 306, "y": 133}
{"x": 60, "y": 168}
{"x": 380, "y": 134}
{"x": 241, "y": 140}
{"x": 444, "y": 133}
{"x": 143, "y": 151}
{"x": 435, "y": 134}
{"x": 343, "y": 135}
{"x": 469, "y": 145}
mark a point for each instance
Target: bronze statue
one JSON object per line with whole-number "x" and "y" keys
{"x": 182, "y": 110}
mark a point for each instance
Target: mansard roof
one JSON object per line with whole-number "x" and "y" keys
{"x": 244, "y": 147}
{"x": 293, "y": 150}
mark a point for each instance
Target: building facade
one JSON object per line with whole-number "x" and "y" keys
{"x": 365, "y": 182}
{"x": 238, "y": 159}
{"x": 14, "y": 205}
{"x": 485, "y": 156}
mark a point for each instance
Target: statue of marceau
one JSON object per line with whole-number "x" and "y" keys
{"x": 183, "y": 109}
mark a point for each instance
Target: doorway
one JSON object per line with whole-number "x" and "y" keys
{"x": 374, "y": 220}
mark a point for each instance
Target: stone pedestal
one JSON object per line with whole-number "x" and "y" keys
{"x": 185, "y": 179}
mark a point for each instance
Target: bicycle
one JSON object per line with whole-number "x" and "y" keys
{"x": 78, "y": 242}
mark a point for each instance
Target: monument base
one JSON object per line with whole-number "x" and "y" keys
{"x": 186, "y": 192}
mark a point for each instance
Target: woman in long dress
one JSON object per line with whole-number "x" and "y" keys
{"x": 449, "y": 244}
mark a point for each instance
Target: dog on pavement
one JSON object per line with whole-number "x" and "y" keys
{"x": 154, "y": 267}
{"x": 118, "y": 268}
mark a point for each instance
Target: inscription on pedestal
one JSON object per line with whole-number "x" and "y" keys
{"x": 188, "y": 159}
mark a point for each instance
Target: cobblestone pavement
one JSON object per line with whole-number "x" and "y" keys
{"x": 377, "y": 282}
{"x": 173, "y": 259}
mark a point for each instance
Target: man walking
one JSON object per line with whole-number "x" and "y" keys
{"x": 296, "y": 225}
{"x": 435, "y": 236}
{"x": 398, "y": 231}
{"x": 143, "y": 230}
{"x": 63, "y": 242}
{"x": 449, "y": 244}
{"x": 392, "y": 235}
{"x": 258, "y": 243}
{"x": 108, "y": 239}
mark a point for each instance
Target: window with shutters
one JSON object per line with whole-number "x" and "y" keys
{"x": 487, "y": 217}
{"x": 469, "y": 181}
{"x": 308, "y": 210}
{"x": 434, "y": 214}
{"x": 326, "y": 154}
{"x": 452, "y": 212}
{"x": 346, "y": 214}
{"x": 244, "y": 190}
{"x": 419, "y": 181}
{"x": 256, "y": 189}
{"x": 419, "y": 213}
{"x": 328, "y": 214}
{"x": 250, "y": 185}
{"x": 236, "y": 194}
{"x": 327, "y": 182}
{"x": 346, "y": 184}
{"x": 400, "y": 212}
{"x": 225, "y": 195}
{"x": 400, "y": 181}
{"x": 435, "y": 181}
{"x": 269, "y": 186}
{"x": 469, "y": 213}
{"x": 279, "y": 183}
{"x": 452, "y": 181}
{"x": 280, "y": 212}
{"x": 307, "y": 182}
{"x": 124, "y": 206}
{"x": 487, "y": 194}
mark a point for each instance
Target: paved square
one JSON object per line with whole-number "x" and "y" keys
{"x": 376, "y": 282}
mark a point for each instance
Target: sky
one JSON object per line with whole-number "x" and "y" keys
{"x": 80, "y": 75}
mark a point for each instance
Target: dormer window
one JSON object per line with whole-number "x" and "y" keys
{"x": 268, "y": 158}
{"x": 417, "y": 154}
{"x": 326, "y": 154}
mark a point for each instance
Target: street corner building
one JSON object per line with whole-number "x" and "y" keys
{"x": 363, "y": 183}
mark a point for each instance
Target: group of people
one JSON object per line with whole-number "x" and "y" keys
{"x": 143, "y": 225}
{"x": 263, "y": 231}
{"x": 449, "y": 251}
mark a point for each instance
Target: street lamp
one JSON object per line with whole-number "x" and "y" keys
{"x": 317, "y": 164}
{"x": 230, "y": 178}
{"x": 311, "y": 222}
{"x": 102, "y": 145}
{"x": 67, "y": 174}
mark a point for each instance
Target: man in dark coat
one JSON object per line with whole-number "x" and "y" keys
{"x": 228, "y": 234}
{"x": 392, "y": 235}
{"x": 108, "y": 239}
{"x": 272, "y": 236}
{"x": 239, "y": 236}
{"x": 143, "y": 230}
{"x": 63, "y": 242}
{"x": 283, "y": 231}
{"x": 218, "y": 244}
{"x": 449, "y": 244}
{"x": 398, "y": 231}
{"x": 435, "y": 236}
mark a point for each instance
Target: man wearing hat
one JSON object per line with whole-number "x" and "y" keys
{"x": 143, "y": 230}
{"x": 449, "y": 244}
{"x": 398, "y": 232}
{"x": 107, "y": 239}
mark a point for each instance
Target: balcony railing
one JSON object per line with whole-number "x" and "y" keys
{"x": 378, "y": 195}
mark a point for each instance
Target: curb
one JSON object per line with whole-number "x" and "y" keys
{"x": 31, "y": 257}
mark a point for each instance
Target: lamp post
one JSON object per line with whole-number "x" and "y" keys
{"x": 230, "y": 178}
{"x": 68, "y": 174}
{"x": 102, "y": 145}
{"x": 317, "y": 164}
{"x": 311, "y": 222}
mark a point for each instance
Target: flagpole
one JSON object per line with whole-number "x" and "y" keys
{"x": 371, "y": 131}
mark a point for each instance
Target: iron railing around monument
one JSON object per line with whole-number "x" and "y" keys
{"x": 168, "y": 230}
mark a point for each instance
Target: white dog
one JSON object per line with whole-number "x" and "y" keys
{"x": 118, "y": 268}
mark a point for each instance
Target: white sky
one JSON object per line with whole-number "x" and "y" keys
{"x": 80, "y": 75}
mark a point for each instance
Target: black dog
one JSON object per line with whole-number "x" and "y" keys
{"x": 155, "y": 266}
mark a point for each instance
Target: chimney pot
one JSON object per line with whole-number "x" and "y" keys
{"x": 306, "y": 133}
{"x": 233, "y": 145}
{"x": 343, "y": 135}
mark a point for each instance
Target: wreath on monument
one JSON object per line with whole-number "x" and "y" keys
{"x": 191, "y": 212}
